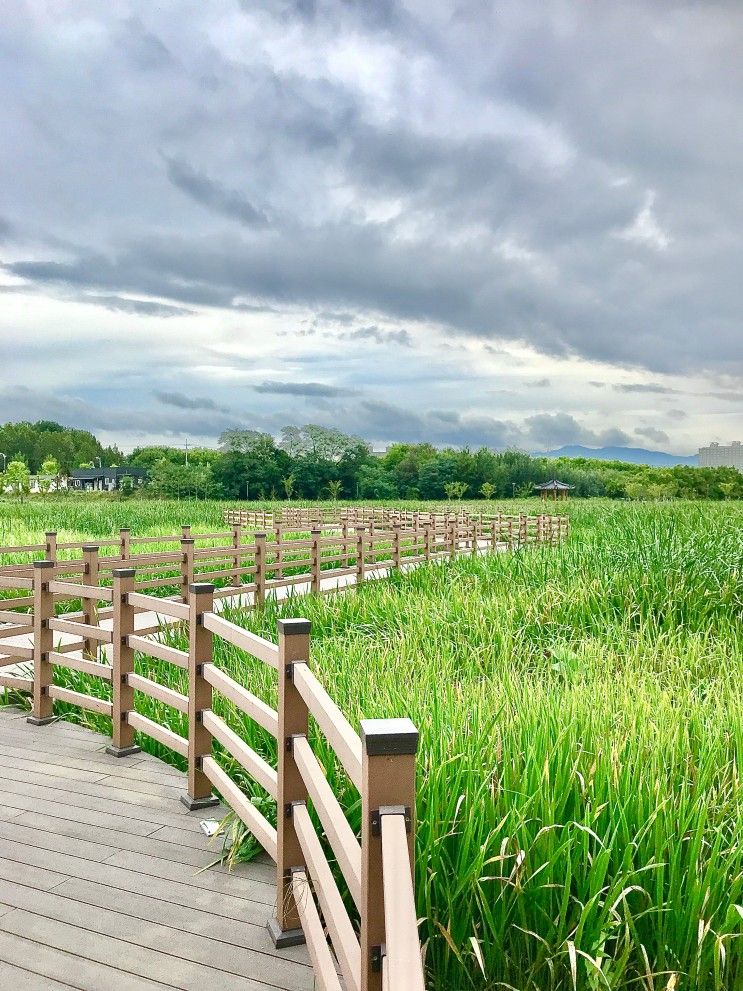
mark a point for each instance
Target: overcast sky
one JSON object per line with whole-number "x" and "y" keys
{"x": 464, "y": 222}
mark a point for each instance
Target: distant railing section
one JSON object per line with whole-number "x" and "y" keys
{"x": 377, "y": 945}
{"x": 340, "y": 555}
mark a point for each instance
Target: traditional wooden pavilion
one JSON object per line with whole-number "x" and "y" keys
{"x": 555, "y": 489}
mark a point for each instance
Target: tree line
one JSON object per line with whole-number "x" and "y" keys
{"x": 313, "y": 462}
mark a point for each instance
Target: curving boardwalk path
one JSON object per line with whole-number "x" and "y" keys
{"x": 101, "y": 880}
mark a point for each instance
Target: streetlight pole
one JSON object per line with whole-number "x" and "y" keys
{"x": 5, "y": 460}
{"x": 247, "y": 491}
{"x": 513, "y": 490}
{"x": 186, "y": 452}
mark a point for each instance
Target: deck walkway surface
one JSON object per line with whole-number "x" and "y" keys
{"x": 101, "y": 880}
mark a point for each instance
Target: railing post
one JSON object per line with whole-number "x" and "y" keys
{"x": 125, "y": 535}
{"x": 186, "y": 530}
{"x": 259, "y": 596}
{"x": 90, "y": 606}
{"x": 200, "y": 644}
{"x": 122, "y": 663}
{"x": 388, "y": 787}
{"x": 453, "y": 539}
{"x": 187, "y": 575}
{"x": 294, "y": 647}
{"x": 279, "y": 573}
{"x": 396, "y": 546}
{"x": 236, "y": 541}
{"x": 360, "y": 555}
{"x": 475, "y": 538}
{"x": 344, "y": 531}
{"x": 427, "y": 541}
{"x": 50, "y": 548}
{"x": 42, "y": 711}
{"x": 315, "y": 582}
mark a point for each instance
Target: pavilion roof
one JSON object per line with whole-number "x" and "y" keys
{"x": 552, "y": 485}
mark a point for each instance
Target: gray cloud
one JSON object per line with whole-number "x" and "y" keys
{"x": 302, "y": 389}
{"x": 22, "y": 403}
{"x": 651, "y": 387}
{"x": 374, "y": 333}
{"x": 213, "y": 195}
{"x": 181, "y": 401}
{"x": 653, "y": 433}
{"x": 140, "y": 307}
{"x": 438, "y": 169}
{"x": 551, "y": 430}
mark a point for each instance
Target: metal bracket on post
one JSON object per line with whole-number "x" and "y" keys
{"x": 375, "y": 817}
{"x": 377, "y": 954}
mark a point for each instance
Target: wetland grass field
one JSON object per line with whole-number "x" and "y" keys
{"x": 580, "y": 814}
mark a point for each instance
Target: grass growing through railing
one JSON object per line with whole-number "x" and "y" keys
{"x": 580, "y": 817}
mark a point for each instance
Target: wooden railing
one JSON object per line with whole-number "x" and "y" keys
{"x": 374, "y": 947}
{"x": 325, "y": 560}
{"x": 296, "y": 518}
{"x": 276, "y": 558}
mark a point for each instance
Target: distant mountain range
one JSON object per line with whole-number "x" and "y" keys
{"x": 633, "y": 455}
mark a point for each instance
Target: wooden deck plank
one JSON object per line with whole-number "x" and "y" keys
{"x": 163, "y": 937}
{"x": 173, "y": 817}
{"x": 47, "y": 961}
{"x": 129, "y": 767}
{"x": 103, "y": 880}
{"x": 199, "y": 854}
{"x": 24, "y": 980}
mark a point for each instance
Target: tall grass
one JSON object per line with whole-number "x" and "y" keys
{"x": 579, "y": 807}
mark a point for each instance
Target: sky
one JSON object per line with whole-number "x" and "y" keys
{"x": 466, "y": 222}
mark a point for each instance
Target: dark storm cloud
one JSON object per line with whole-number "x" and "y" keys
{"x": 302, "y": 389}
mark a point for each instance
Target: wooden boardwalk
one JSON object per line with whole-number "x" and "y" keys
{"x": 101, "y": 880}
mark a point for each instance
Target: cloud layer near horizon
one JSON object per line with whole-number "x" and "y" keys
{"x": 418, "y": 221}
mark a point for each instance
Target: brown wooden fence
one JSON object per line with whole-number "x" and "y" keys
{"x": 377, "y": 946}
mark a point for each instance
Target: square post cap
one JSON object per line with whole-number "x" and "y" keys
{"x": 90, "y": 547}
{"x": 201, "y": 588}
{"x": 261, "y": 535}
{"x": 123, "y": 572}
{"x": 50, "y": 533}
{"x": 388, "y": 737}
{"x": 294, "y": 627}
{"x": 43, "y": 564}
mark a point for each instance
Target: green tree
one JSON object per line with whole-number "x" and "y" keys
{"x": 126, "y": 487}
{"x": 455, "y": 490}
{"x": 17, "y": 478}
{"x": 488, "y": 490}
{"x": 288, "y": 485}
{"x": 48, "y": 475}
{"x": 335, "y": 487}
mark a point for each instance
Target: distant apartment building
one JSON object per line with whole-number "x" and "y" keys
{"x": 728, "y": 455}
